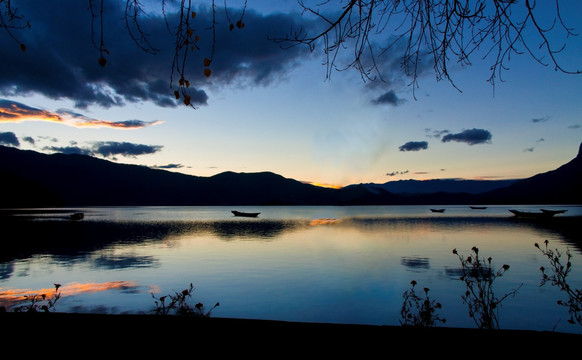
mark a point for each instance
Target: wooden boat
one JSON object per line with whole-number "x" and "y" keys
{"x": 478, "y": 207}
{"x": 244, "y": 214}
{"x": 76, "y": 216}
{"x": 438, "y": 210}
{"x": 553, "y": 211}
{"x": 529, "y": 214}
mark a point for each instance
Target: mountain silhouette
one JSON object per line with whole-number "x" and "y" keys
{"x": 32, "y": 179}
{"x": 442, "y": 185}
{"x": 560, "y": 186}
{"x": 36, "y": 179}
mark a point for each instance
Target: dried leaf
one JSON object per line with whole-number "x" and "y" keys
{"x": 207, "y": 62}
{"x": 207, "y": 72}
{"x": 102, "y": 61}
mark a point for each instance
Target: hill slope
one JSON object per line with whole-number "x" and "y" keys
{"x": 560, "y": 186}
{"x": 32, "y": 179}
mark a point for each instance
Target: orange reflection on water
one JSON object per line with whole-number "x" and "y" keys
{"x": 316, "y": 222}
{"x": 13, "y": 297}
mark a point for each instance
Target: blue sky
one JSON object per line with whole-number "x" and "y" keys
{"x": 267, "y": 109}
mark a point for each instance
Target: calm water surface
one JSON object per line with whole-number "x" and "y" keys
{"x": 321, "y": 264}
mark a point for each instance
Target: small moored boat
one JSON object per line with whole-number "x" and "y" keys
{"x": 438, "y": 210}
{"x": 478, "y": 207}
{"x": 245, "y": 214}
{"x": 76, "y": 216}
{"x": 553, "y": 211}
{"x": 529, "y": 214}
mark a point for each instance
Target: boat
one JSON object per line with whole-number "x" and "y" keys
{"x": 76, "y": 216}
{"x": 553, "y": 211}
{"x": 245, "y": 214}
{"x": 530, "y": 214}
{"x": 478, "y": 207}
{"x": 438, "y": 210}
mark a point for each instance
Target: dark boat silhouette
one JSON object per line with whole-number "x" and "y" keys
{"x": 76, "y": 216}
{"x": 478, "y": 207}
{"x": 530, "y": 214}
{"x": 244, "y": 214}
{"x": 438, "y": 210}
{"x": 553, "y": 211}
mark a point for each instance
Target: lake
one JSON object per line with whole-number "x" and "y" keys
{"x": 315, "y": 263}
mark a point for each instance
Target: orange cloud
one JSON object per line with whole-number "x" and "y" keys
{"x": 12, "y": 111}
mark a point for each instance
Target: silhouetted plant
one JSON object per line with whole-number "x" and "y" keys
{"x": 478, "y": 275}
{"x": 178, "y": 304}
{"x": 558, "y": 277}
{"x": 40, "y": 302}
{"x": 419, "y": 311}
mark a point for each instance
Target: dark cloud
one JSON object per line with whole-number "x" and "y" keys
{"x": 113, "y": 148}
{"x": 414, "y": 146}
{"x": 169, "y": 166}
{"x": 389, "y": 98}
{"x": 471, "y": 137}
{"x": 29, "y": 140}
{"x": 69, "y": 150}
{"x": 8, "y": 138}
{"x": 576, "y": 126}
{"x": 542, "y": 119}
{"x": 108, "y": 149}
{"x": 531, "y": 149}
{"x": 60, "y": 61}
{"x": 12, "y": 111}
{"x": 394, "y": 173}
{"x": 436, "y": 133}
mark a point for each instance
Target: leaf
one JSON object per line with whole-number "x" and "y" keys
{"x": 23, "y": 47}
{"x": 102, "y": 61}
{"x": 207, "y": 62}
{"x": 207, "y": 72}
{"x": 240, "y": 24}
{"x": 176, "y": 94}
{"x": 193, "y": 14}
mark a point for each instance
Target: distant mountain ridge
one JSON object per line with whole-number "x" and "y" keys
{"x": 32, "y": 179}
{"x": 441, "y": 185}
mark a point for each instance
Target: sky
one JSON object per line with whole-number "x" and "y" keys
{"x": 265, "y": 108}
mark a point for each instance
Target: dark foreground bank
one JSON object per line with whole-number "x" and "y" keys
{"x": 177, "y": 335}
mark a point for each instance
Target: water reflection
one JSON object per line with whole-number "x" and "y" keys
{"x": 309, "y": 268}
{"x": 11, "y": 298}
{"x": 416, "y": 263}
{"x": 89, "y": 241}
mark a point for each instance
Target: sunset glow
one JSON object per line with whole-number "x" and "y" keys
{"x": 329, "y": 186}
{"x": 15, "y": 112}
{"x": 12, "y": 297}
{"x": 268, "y": 107}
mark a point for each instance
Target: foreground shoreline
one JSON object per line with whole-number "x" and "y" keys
{"x": 160, "y": 331}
